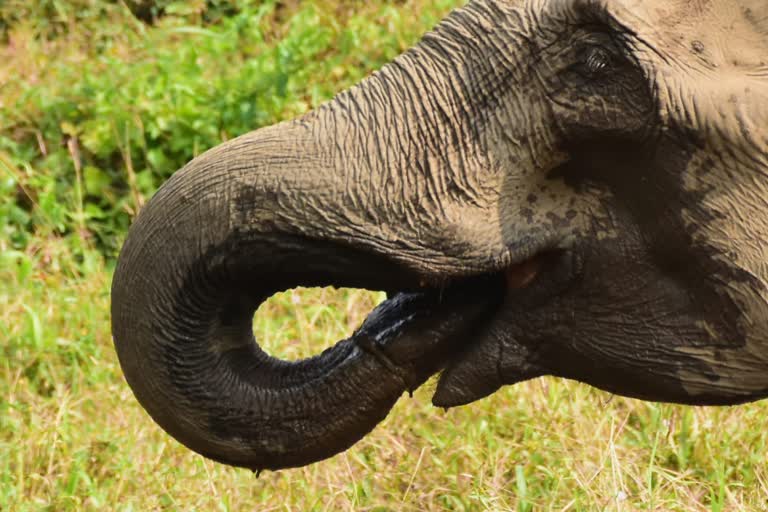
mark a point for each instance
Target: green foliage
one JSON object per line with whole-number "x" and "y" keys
{"x": 94, "y": 123}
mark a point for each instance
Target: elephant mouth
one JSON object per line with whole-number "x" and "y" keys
{"x": 473, "y": 307}
{"x": 519, "y": 275}
{"x": 415, "y": 333}
{"x": 490, "y": 357}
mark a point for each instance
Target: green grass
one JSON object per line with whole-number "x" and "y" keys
{"x": 73, "y": 438}
{"x": 96, "y": 109}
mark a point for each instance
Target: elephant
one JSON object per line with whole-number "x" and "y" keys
{"x": 571, "y": 188}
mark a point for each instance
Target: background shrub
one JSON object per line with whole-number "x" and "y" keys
{"x": 103, "y": 107}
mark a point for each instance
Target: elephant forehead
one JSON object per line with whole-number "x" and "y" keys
{"x": 708, "y": 33}
{"x": 709, "y": 61}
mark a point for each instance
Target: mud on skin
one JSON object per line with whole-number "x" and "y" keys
{"x": 574, "y": 188}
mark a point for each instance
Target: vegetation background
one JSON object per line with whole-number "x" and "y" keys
{"x": 100, "y": 101}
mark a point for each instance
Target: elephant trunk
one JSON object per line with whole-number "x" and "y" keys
{"x": 338, "y": 197}
{"x": 249, "y": 218}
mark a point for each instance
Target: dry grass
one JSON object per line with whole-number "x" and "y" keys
{"x": 73, "y": 437}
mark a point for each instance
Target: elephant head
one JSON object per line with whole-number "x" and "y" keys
{"x": 575, "y": 188}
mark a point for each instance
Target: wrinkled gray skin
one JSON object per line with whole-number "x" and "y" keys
{"x": 578, "y": 188}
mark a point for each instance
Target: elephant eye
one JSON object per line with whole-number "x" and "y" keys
{"x": 597, "y": 61}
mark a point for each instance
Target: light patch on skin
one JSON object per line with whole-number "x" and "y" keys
{"x": 732, "y": 220}
{"x": 730, "y": 109}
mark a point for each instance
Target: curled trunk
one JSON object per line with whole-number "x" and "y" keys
{"x": 218, "y": 239}
{"x": 339, "y": 197}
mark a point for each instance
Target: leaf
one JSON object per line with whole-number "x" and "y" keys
{"x": 36, "y": 326}
{"x": 68, "y": 129}
{"x": 96, "y": 180}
